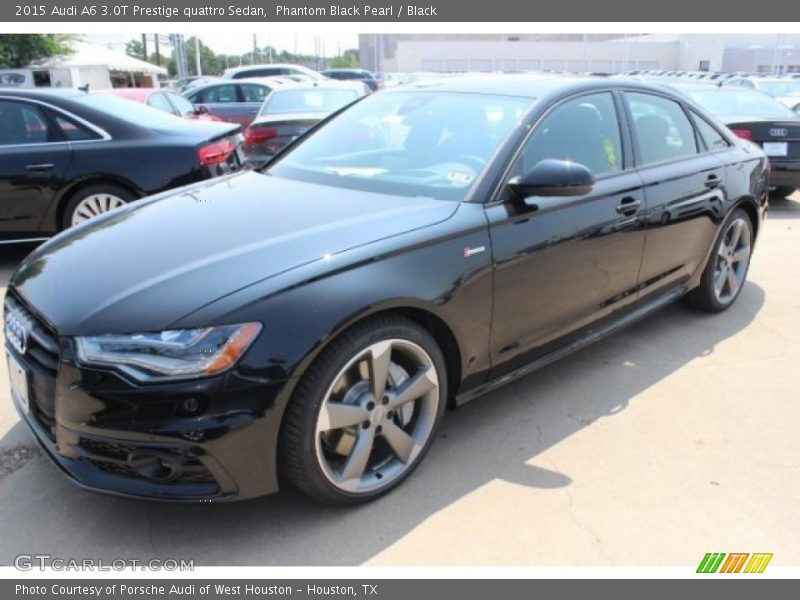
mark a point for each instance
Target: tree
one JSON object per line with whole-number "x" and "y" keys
{"x": 135, "y": 49}
{"x": 348, "y": 60}
{"x": 18, "y": 50}
{"x": 209, "y": 62}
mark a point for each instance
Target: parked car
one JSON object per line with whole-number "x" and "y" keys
{"x": 772, "y": 86}
{"x": 166, "y": 101}
{"x": 272, "y": 70}
{"x": 187, "y": 83}
{"x": 291, "y": 111}
{"x": 369, "y": 79}
{"x": 235, "y": 101}
{"x": 754, "y": 116}
{"x": 424, "y": 246}
{"x": 67, "y": 156}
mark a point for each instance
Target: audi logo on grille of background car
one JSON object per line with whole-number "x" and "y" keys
{"x": 779, "y": 132}
{"x": 16, "y": 333}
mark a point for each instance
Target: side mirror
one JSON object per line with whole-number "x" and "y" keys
{"x": 201, "y": 109}
{"x": 552, "y": 177}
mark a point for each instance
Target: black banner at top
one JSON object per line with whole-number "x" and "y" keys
{"x": 391, "y": 10}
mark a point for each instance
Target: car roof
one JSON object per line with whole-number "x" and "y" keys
{"x": 309, "y": 85}
{"x": 524, "y": 85}
{"x": 268, "y": 81}
{"x": 43, "y": 94}
{"x": 140, "y": 94}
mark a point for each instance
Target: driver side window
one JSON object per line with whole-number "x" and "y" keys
{"x": 584, "y": 130}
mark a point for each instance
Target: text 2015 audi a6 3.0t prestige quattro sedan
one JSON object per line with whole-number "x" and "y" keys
{"x": 309, "y": 322}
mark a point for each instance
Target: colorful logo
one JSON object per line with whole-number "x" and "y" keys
{"x": 736, "y": 562}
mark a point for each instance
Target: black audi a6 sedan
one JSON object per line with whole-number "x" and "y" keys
{"x": 68, "y": 155}
{"x": 309, "y": 322}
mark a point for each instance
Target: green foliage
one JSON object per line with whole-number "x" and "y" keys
{"x": 19, "y": 50}
{"x": 348, "y": 60}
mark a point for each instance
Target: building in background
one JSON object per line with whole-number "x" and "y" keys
{"x": 579, "y": 53}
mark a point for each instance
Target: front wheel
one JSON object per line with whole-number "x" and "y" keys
{"x": 365, "y": 412}
{"x": 726, "y": 270}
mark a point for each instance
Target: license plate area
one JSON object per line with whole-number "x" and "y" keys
{"x": 20, "y": 382}
{"x": 776, "y": 148}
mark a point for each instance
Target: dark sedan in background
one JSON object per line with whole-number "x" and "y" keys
{"x": 67, "y": 156}
{"x": 366, "y": 77}
{"x": 291, "y": 111}
{"x": 426, "y": 245}
{"x": 755, "y": 116}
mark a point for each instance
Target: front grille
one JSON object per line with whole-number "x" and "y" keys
{"x": 42, "y": 359}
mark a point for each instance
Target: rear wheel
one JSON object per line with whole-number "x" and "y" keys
{"x": 93, "y": 201}
{"x": 365, "y": 412}
{"x": 726, "y": 270}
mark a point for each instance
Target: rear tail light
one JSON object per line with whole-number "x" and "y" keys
{"x": 258, "y": 135}
{"x": 745, "y": 134}
{"x": 216, "y": 152}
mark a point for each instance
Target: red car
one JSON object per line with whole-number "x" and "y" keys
{"x": 167, "y": 101}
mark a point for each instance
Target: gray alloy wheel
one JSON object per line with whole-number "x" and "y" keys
{"x": 95, "y": 205}
{"x": 364, "y": 412}
{"x": 377, "y": 416}
{"x": 733, "y": 258}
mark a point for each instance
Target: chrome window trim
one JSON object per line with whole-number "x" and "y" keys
{"x": 104, "y": 135}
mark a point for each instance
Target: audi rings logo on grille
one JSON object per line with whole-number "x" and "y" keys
{"x": 16, "y": 333}
{"x": 779, "y": 132}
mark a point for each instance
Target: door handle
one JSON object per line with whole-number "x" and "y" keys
{"x": 628, "y": 206}
{"x": 40, "y": 167}
{"x": 713, "y": 181}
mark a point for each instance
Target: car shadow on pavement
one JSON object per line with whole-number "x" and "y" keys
{"x": 783, "y": 208}
{"x": 494, "y": 437}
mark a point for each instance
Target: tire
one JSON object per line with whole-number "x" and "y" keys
{"x": 94, "y": 200}
{"x": 709, "y": 295}
{"x": 324, "y": 459}
{"x": 782, "y": 192}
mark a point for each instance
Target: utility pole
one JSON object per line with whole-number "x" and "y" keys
{"x": 158, "y": 51}
{"x": 144, "y": 46}
{"x": 255, "y": 48}
{"x": 197, "y": 56}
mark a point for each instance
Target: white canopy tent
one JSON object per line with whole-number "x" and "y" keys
{"x": 100, "y": 68}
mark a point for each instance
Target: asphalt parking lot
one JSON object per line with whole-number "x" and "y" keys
{"x": 674, "y": 438}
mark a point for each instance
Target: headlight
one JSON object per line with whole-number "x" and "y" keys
{"x": 176, "y": 354}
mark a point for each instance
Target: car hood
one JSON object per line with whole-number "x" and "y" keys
{"x": 143, "y": 267}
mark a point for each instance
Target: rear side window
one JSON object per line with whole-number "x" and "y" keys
{"x": 254, "y": 93}
{"x": 584, "y": 130}
{"x": 662, "y": 129}
{"x": 219, "y": 94}
{"x": 22, "y": 123}
{"x": 72, "y": 130}
{"x": 712, "y": 138}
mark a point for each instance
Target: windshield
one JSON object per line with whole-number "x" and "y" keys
{"x": 741, "y": 102}
{"x": 780, "y": 88}
{"x": 410, "y": 144}
{"x": 310, "y": 100}
{"x": 121, "y": 108}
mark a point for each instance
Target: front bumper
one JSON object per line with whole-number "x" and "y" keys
{"x": 111, "y": 435}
